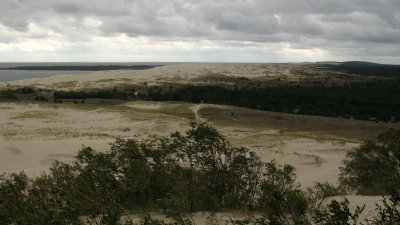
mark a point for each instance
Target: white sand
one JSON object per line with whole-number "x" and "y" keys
{"x": 144, "y": 105}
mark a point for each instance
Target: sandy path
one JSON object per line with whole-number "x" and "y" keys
{"x": 195, "y": 110}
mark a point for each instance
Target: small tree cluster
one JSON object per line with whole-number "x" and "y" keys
{"x": 182, "y": 173}
{"x": 374, "y": 168}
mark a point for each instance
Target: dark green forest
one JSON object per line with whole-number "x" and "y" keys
{"x": 364, "y": 68}
{"x": 378, "y": 101}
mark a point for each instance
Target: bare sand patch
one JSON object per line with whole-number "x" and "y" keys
{"x": 33, "y": 135}
{"x": 34, "y": 115}
{"x": 144, "y": 105}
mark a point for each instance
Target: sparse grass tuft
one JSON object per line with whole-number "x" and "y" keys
{"x": 35, "y": 115}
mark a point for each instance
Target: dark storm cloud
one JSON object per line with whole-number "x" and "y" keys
{"x": 326, "y": 24}
{"x": 258, "y": 20}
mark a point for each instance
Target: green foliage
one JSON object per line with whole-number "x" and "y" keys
{"x": 282, "y": 199}
{"x": 34, "y": 201}
{"x": 12, "y": 93}
{"x": 26, "y": 90}
{"x": 180, "y": 174}
{"x": 41, "y": 98}
{"x": 378, "y": 100}
{"x": 365, "y": 68}
{"x": 374, "y": 168}
{"x": 8, "y": 94}
{"x": 337, "y": 213}
{"x": 389, "y": 213}
{"x": 223, "y": 175}
{"x": 147, "y": 220}
{"x": 105, "y": 94}
{"x": 321, "y": 191}
{"x": 253, "y": 221}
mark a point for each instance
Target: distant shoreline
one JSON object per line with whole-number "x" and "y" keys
{"x": 82, "y": 68}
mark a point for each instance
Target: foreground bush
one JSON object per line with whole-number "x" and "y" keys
{"x": 374, "y": 168}
{"x": 337, "y": 213}
{"x": 282, "y": 199}
{"x": 180, "y": 174}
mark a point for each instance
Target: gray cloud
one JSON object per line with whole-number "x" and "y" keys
{"x": 305, "y": 24}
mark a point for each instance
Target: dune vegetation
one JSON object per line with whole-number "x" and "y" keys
{"x": 197, "y": 171}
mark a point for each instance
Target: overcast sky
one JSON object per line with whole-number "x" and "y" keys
{"x": 200, "y": 30}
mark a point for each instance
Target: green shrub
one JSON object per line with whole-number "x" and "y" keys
{"x": 321, "y": 191}
{"x": 337, "y": 213}
{"x": 180, "y": 174}
{"x": 389, "y": 211}
{"x": 282, "y": 200}
{"x": 374, "y": 167}
{"x": 27, "y": 90}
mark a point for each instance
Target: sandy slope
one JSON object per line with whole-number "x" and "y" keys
{"x": 33, "y": 135}
{"x": 176, "y": 73}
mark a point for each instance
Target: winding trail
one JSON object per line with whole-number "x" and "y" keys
{"x": 195, "y": 110}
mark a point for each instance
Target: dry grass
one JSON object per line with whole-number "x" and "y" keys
{"x": 6, "y": 108}
{"x": 35, "y": 115}
{"x": 346, "y": 128}
{"x": 52, "y": 134}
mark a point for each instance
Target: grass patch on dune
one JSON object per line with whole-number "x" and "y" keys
{"x": 316, "y": 160}
{"x": 66, "y": 84}
{"x": 8, "y": 133}
{"x": 67, "y": 133}
{"x": 5, "y": 108}
{"x": 179, "y": 110}
{"x": 51, "y": 133}
{"x": 35, "y": 115}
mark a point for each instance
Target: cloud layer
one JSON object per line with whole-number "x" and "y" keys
{"x": 208, "y": 30}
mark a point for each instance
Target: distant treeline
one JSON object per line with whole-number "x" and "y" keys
{"x": 105, "y": 94}
{"x": 379, "y": 100}
{"x": 81, "y": 68}
{"x": 11, "y": 94}
{"x": 365, "y": 68}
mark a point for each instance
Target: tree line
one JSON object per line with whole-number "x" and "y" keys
{"x": 379, "y": 101}
{"x": 363, "y": 68}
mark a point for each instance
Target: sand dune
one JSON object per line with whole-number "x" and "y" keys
{"x": 33, "y": 135}
{"x": 168, "y": 73}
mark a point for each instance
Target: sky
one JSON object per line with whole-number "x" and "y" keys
{"x": 199, "y": 30}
